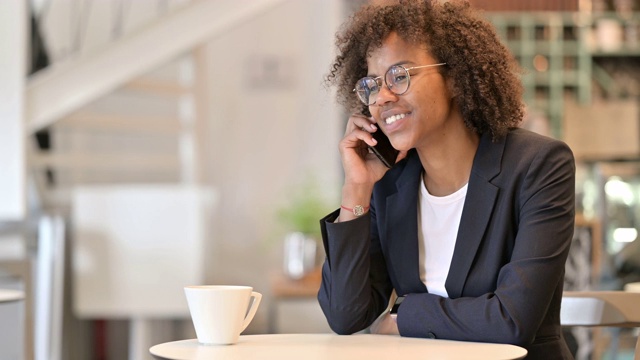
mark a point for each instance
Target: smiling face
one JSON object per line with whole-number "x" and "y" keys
{"x": 422, "y": 116}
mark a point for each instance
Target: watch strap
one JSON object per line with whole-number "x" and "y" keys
{"x": 396, "y": 305}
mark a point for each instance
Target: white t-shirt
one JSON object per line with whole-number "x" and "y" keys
{"x": 438, "y": 222}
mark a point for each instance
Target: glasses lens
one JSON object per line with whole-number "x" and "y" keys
{"x": 397, "y": 79}
{"x": 367, "y": 90}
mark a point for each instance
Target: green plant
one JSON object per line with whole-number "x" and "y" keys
{"x": 304, "y": 210}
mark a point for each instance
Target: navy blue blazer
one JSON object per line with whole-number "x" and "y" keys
{"x": 506, "y": 276}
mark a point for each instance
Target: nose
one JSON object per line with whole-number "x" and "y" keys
{"x": 385, "y": 96}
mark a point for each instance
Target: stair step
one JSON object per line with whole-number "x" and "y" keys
{"x": 121, "y": 123}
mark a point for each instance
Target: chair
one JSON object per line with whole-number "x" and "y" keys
{"x": 601, "y": 308}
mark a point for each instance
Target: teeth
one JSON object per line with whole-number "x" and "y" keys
{"x": 394, "y": 118}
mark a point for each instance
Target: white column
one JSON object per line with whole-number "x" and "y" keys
{"x": 49, "y": 288}
{"x": 13, "y": 56}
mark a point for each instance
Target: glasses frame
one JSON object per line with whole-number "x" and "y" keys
{"x": 378, "y": 80}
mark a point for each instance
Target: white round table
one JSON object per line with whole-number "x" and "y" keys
{"x": 10, "y": 295}
{"x": 336, "y": 347}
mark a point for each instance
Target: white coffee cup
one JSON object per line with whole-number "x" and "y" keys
{"x": 221, "y": 312}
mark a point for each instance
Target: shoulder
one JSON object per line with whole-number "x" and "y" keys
{"x": 521, "y": 139}
{"x": 518, "y": 153}
{"x": 522, "y": 146}
{"x": 532, "y": 154}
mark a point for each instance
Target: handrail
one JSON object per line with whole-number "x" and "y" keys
{"x": 63, "y": 88}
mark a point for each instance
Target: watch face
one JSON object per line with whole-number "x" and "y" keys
{"x": 358, "y": 210}
{"x": 396, "y": 305}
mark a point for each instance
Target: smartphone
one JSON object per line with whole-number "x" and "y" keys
{"x": 383, "y": 150}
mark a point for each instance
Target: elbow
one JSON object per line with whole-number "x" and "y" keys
{"x": 344, "y": 326}
{"x": 341, "y": 330}
{"x": 519, "y": 336}
{"x": 342, "y": 322}
{"x": 523, "y": 340}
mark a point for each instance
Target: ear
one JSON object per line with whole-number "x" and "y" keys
{"x": 451, "y": 88}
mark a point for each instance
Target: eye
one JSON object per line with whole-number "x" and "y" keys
{"x": 399, "y": 78}
{"x": 397, "y": 75}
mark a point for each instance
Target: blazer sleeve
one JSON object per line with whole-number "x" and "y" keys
{"x": 355, "y": 285}
{"x": 531, "y": 279}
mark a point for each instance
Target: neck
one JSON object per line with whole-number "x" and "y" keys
{"x": 447, "y": 162}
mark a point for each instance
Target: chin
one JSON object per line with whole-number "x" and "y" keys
{"x": 400, "y": 145}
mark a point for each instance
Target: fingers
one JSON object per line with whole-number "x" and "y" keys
{"x": 359, "y": 121}
{"x": 359, "y": 128}
{"x": 358, "y": 139}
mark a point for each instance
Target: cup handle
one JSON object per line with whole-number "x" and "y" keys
{"x": 252, "y": 310}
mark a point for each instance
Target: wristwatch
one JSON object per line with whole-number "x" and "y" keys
{"x": 357, "y": 210}
{"x": 393, "y": 312}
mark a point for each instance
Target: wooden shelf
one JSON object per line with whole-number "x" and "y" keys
{"x": 565, "y": 40}
{"x": 285, "y": 287}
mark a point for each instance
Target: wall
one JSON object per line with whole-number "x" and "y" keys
{"x": 271, "y": 124}
{"x": 13, "y": 30}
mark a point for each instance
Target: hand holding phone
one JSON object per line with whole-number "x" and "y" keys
{"x": 383, "y": 149}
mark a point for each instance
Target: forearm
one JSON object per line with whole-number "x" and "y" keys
{"x": 511, "y": 314}
{"x": 350, "y": 296}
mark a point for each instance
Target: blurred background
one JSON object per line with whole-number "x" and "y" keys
{"x": 146, "y": 145}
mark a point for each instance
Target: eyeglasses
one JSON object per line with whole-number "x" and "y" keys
{"x": 397, "y": 79}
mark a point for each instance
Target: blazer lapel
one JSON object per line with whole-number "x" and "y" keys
{"x": 476, "y": 213}
{"x": 401, "y": 233}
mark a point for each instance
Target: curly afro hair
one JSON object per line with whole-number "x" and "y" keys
{"x": 485, "y": 75}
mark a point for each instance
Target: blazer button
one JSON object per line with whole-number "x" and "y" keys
{"x": 431, "y": 335}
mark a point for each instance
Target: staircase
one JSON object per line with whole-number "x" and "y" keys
{"x": 145, "y": 131}
{"x": 132, "y": 113}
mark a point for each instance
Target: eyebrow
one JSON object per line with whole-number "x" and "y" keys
{"x": 402, "y": 62}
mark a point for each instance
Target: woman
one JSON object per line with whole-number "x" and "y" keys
{"x": 472, "y": 225}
